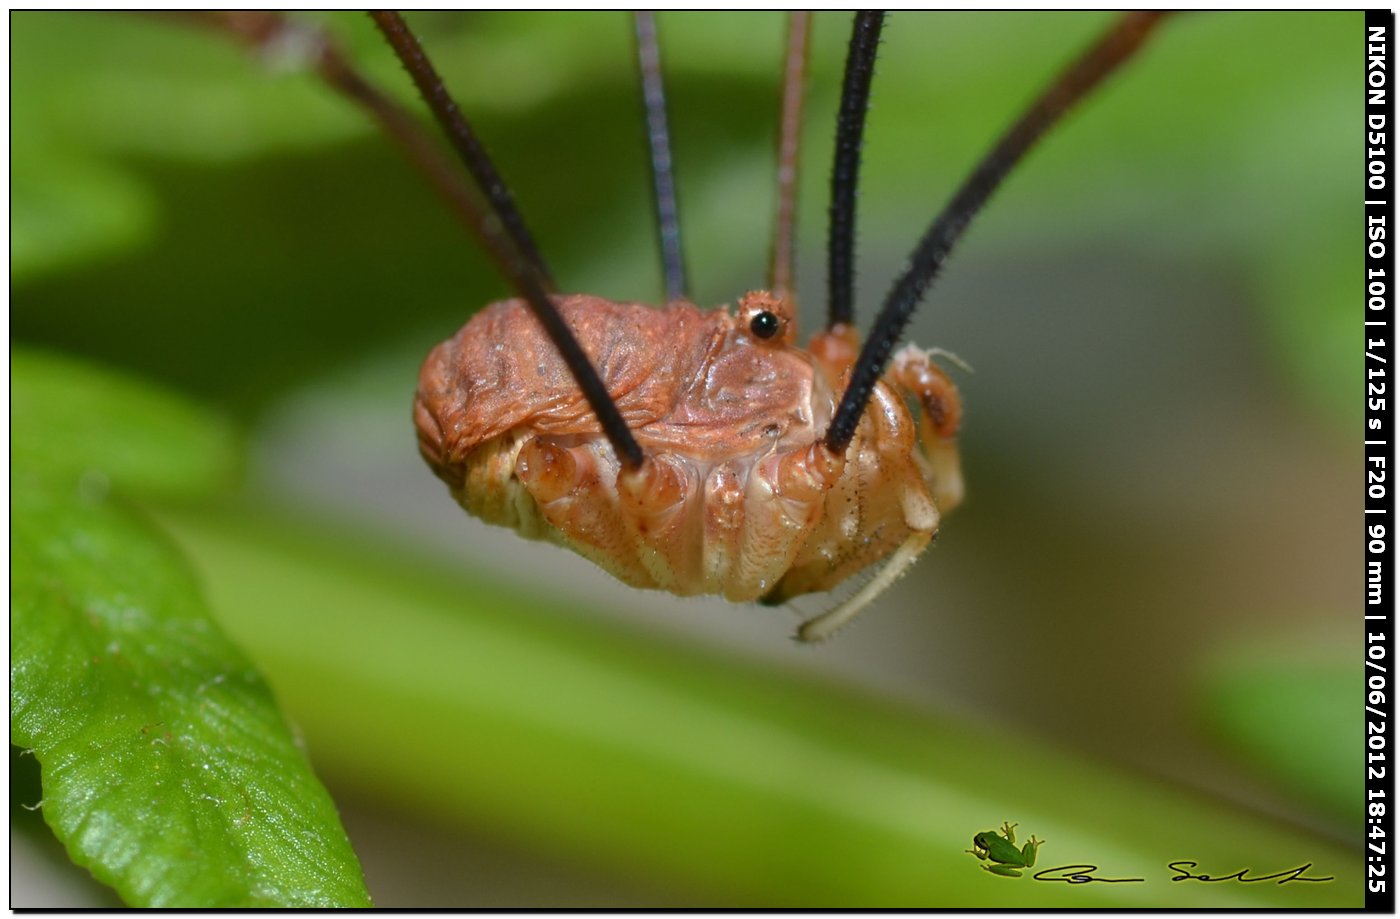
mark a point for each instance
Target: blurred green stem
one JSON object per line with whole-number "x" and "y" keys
{"x": 470, "y": 703}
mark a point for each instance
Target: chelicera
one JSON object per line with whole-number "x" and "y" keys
{"x": 703, "y": 451}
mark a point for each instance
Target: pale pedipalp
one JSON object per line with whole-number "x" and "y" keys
{"x": 820, "y": 628}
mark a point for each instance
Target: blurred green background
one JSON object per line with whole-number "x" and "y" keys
{"x": 1153, "y": 585}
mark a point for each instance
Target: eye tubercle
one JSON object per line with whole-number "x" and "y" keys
{"x": 767, "y": 317}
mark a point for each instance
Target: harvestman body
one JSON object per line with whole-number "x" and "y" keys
{"x": 738, "y": 495}
{"x": 700, "y": 451}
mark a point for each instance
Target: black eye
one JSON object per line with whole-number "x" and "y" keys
{"x": 764, "y": 325}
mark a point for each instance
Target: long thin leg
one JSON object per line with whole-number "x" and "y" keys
{"x": 781, "y": 271}
{"x": 462, "y": 138}
{"x": 668, "y": 221}
{"x": 1111, "y": 50}
{"x": 263, "y": 30}
{"x": 845, "y": 171}
{"x": 524, "y": 275}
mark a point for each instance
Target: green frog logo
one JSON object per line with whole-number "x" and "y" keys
{"x": 1000, "y": 850}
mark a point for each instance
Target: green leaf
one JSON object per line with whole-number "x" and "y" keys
{"x": 68, "y": 210}
{"x": 168, "y": 771}
{"x": 222, "y": 106}
{"x": 71, "y": 419}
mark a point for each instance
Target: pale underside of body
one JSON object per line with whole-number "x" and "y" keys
{"x": 737, "y": 496}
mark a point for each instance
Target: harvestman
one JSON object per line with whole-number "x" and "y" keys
{"x": 689, "y": 450}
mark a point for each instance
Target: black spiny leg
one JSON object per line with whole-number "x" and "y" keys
{"x": 1115, "y": 47}
{"x": 463, "y": 139}
{"x": 845, "y": 171}
{"x": 526, "y": 273}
